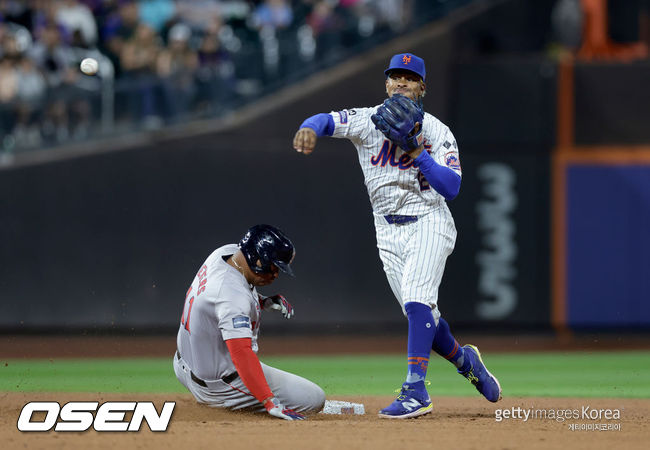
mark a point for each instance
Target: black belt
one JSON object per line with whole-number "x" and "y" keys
{"x": 400, "y": 220}
{"x": 227, "y": 379}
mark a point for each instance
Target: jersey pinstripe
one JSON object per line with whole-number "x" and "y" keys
{"x": 394, "y": 185}
{"x": 413, "y": 254}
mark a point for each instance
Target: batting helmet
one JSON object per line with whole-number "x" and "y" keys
{"x": 268, "y": 245}
{"x": 407, "y": 61}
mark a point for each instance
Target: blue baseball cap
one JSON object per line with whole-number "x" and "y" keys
{"x": 407, "y": 61}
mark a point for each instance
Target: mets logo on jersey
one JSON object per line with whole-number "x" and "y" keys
{"x": 451, "y": 160}
{"x": 406, "y": 59}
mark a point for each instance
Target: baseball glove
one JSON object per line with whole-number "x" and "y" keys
{"x": 400, "y": 120}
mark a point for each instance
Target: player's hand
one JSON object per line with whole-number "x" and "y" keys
{"x": 278, "y": 303}
{"x": 276, "y": 409}
{"x": 399, "y": 119}
{"x": 304, "y": 141}
{"x": 417, "y": 151}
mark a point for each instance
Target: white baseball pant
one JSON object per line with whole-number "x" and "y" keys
{"x": 414, "y": 255}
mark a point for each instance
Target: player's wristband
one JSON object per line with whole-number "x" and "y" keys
{"x": 443, "y": 179}
{"x": 322, "y": 124}
{"x": 268, "y": 403}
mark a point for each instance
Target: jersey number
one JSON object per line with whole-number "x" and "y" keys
{"x": 424, "y": 184}
{"x": 184, "y": 321}
{"x": 203, "y": 280}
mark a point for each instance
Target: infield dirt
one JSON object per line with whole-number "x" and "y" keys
{"x": 456, "y": 423}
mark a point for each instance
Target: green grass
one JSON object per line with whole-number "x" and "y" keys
{"x": 622, "y": 374}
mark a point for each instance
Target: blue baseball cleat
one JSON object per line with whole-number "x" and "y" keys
{"x": 486, "y": 383}
{"x": 411, "y": 402}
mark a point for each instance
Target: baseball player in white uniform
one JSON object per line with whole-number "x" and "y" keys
{"x": 414, "y": 227}
{"x": 216, "y": 357}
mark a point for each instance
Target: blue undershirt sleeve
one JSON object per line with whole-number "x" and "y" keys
{"x": 322, "y": 124}
{"x": 443, "y": 179}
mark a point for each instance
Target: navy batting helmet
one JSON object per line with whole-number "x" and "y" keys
{"x": 268, "y": 245}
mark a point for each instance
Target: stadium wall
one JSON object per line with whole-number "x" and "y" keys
{"x": 600, "y": 198}
{"x": 111, "y": 241}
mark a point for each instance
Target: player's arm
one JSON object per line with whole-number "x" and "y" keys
{"x": 442, "y": 168}
{"x": 443, "y": 179}
{"x": 315, "y": 126}
{"x": 250, "y": 371}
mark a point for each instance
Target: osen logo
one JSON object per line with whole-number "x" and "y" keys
{"x": 78, "y": 416}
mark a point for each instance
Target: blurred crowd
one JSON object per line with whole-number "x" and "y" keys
{"x": 162, "y": 60}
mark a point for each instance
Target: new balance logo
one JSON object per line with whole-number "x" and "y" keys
{"x": 471, "y": 377}
{"x": 411, "y": 404}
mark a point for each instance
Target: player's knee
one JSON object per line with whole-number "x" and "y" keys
{"x": 315, "y": 400}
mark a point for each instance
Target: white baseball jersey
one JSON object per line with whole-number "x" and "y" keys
{"x": 220, "y": 305}
{"x": 394, "y": 185}
{"x": 413, "y": 254}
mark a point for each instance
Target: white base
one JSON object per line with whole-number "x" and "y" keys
{"x": 340, "y": 407}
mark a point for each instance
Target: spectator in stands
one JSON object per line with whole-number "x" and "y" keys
{"x": 8, "y": 81}
{"x": 83, "y": 90}
{"x": 51, "y": 54}
{"x": 322, "y": 17}
{"x": 11, "y": 45}
{"x": 394, "y": 14}
{"x": 156, "y": 13}
{"x": 8, "y": 92}
{"x": 216, "y": 74}
{"x": 31, "y": 83}
{"x": 138, "y": 61}
{"x": 12, "y": 93}
{"x": 119, "y": 27}
{"x": 53, "y": 57}
{"x": 359, "y": 18}
{"x": 327, "y": 27}
{"x": 15, "y": 12}
{"x": 198, "y": 14}
{"x": 30, "y": 93}
{"x": 275, "y": 14}
{"x": 75, "y": 16}
{"x": 229, "y": 35}
{"x": 99, "y": 7}
{"x": 43, "y": 13}
{"x": 176, "y": 66}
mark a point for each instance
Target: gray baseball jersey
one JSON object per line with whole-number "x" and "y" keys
{"x": 220, "y": 305}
